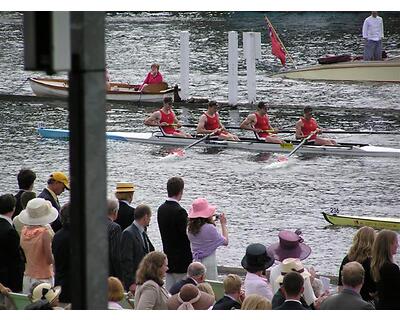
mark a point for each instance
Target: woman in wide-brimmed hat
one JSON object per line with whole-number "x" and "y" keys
{"x": 190, "y": 298}
{"x": 36, "y": 242}
{"x": 203, "y": 235}
{"x": 256, "y": 261}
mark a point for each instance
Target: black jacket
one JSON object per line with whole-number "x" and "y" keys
{"x": 178, "y": 285}
{"x": 18, "y": 205}
{"x": 172, "y": 223}
{"x": 61, "y": 248}
{"x": 11, "y": 257}
{"x": 226, "y": 303}
{"x": 291, "y": 305}
{"x": 132, "y": 252}
{"x": 114, "y": 249}
{"x": 126, "y": 215}
{"x": 45, "y": 194}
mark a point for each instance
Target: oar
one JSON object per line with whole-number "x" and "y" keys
{"x": 286, "y": 158}
{"x": 180, "y": 153}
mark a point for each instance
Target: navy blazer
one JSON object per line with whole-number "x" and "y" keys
{"x": 126, "y": 215}
{"x": 61, "y": 247}
{"x": 172, "y": 222}
{"x": 291, "y": 305}
{"x": 11, "y": 257}
{"x": 45, "y": 194}
{"x": 226, "y": 303}
{"x": 178, "y": 285}
{"x": 114, "y": 249}
{"x": 132, "y": 252}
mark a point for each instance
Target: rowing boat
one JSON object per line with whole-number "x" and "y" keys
{"x": 346, "y": 149}
{"x": 358, "y": 221}
{"x": 47, "y": 87}
{"x": 377, "y": 71}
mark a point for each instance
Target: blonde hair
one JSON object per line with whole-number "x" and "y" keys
{"x": 232, "y": 283}
{"x": 115, "y": 289}
{"x": 381, "y": 252}
{"x": 362, "y": 244}
{"x": 256, "y": 302}
{"x": 207, "y": 288}
{"x": 150, "y": 268}
{"x": 127, "y": 196}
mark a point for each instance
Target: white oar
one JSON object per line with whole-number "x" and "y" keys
{"x": 181, "y": 153}
{"x": 286, "y": 158}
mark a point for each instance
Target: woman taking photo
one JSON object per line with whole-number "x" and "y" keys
{"x": 384, "y": 271}
{"x": 150, "y": 293}
{"x": 203, "y": 235}
{"x": 360, "y": 251}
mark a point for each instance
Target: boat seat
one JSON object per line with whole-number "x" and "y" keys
{"x": 155, "y": 88}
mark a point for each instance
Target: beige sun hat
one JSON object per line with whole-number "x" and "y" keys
{"x": 45, "y": 291}
{"x": 292, "y": 265}
{"x": 38, "y": 212}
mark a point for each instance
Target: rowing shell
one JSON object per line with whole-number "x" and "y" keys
{"x": 245, "y": 144}
{"x": 357, "y": 221}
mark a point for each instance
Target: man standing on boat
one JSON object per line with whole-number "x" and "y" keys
{"x": 165, "y": 119}
{"x": 209, "y": 123}
{"x": 307, "y": 125}
{"x": 258, "y": 122}
{"x": 372, "y": 32}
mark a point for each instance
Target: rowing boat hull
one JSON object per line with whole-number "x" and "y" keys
{"x": 357, "y": 221}
{"x": 249, "y": 144}
{"x": 377, "y": 71}
{"x": 58, "y": 88}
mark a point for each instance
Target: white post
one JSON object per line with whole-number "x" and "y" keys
{"x": 249, "y": 52}
{"x": 233, "y": 68}
{"x": 184, "y": 93}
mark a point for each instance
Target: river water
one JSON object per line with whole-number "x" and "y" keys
{"x": 258, "y": 200}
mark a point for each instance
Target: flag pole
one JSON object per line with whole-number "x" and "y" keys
{"x": 283, "y": 46}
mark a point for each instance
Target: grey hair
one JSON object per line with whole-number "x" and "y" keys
{"x": 112, "y": 206}
{"x": 196, "y": 269}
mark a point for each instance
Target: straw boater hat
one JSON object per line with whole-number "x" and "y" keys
{"x": 290, "y": 245}
{"x": 38, "y": 212}
{"x": 292, "y": 265}
{"x": 125, "y": 187}
{"x": 256, "y": 258}
{"x": 45, "y": 291}
{"x": 200, "y": 208}
{"x": 190, "y": 298}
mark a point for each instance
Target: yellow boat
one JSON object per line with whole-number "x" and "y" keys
{"x": 357, "y": 221}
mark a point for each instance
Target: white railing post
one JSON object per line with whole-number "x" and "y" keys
{"x": 233, "y": 68}
{"x": 184, "y": 51}
{"x": 251, "y": 48}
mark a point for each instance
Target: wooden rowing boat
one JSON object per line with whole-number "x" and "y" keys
{"x": 345, "y": 149}
{"x": 47, "y": 87}
{"x": 377, "y": 71}
{"x": 358, "y": 221}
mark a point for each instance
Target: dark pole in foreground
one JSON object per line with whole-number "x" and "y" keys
{"x": 88, "y": 162}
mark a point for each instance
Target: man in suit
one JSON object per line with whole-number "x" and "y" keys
{"x": 56, "y": 184}
{"x": 292, "y": 287}
{"x": 196, "y": 273}
{"x": 233, "y": 296}
{"x": 349, "y": 298}
{"x": 135, "y": 244}
{"x": 172, "y": 223}
{"x": 61, "y": 248}
{"x": 126, "y": 213}
{"x": 11, "y": 256}
{"x": 26, "y": 178}
{"x": 114, "y": 240}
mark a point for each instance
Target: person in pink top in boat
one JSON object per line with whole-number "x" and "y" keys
{"x": 209, "y": 123}
{"x": 153, "y": 77}
{"x": 258, "y": 122}
{"x": 166, "y": 120}
{"x": 306, "y": 125}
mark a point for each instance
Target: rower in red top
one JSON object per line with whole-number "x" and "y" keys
{"x": 165, "y": 119}
{"x": 258, "y": 122}
{"x": 153, "y": 77}
{"x": 308, "y": 124}
{"x": 209, "y": 123}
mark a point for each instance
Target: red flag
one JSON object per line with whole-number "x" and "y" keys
{"x": 277, "y": 49}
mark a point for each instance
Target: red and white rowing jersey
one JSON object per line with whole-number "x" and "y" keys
{"x": 212, "y": 122}
{"x": 168, "y": 118}
{"x": 308, "y": 127}
{"x": 262, "y": 123}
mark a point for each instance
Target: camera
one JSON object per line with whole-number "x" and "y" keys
{"x": 217, "y": 216}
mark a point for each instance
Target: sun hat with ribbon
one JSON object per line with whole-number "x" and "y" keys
{"x": 290, "y": 245}
{"x": 125, "y": 187}
{"x": 38, "y": 212}
{"x": 256, "y": 258}
{"x": 190, "y": 298}
{"x": 45, "y": 291}
{"x": 200, "y": 208}
{"x": 292, "y": 265}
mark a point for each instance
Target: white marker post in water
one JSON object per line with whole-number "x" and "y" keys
{"x": 184, "y": 80}
{"x": 252, "y": 51}
{"x": 233, "y": 57}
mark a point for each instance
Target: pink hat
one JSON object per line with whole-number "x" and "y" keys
{"x": 200, "y": 208}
